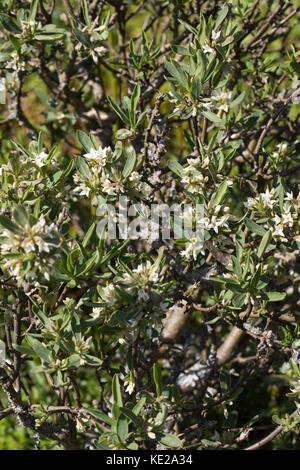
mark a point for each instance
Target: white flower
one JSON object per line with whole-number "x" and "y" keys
{"x": 84, "y": 190}
{"x": 215, "y": 223}
{"x": 193, "y": 248}
{"x": 278, "y": 231}
{"x": 289, "y": 197}
{"x": 130, "y": 385}
{"x": 98, "y": 155}
{"x": 98, "y": 51}
{"x": 143, "y": 295}
{"x": 207, "y": 49}
{"x": 28, "y": 245}
{"x": 109, "y": 295}
{"x": 287, "y": 218}
{"x": 40, "y": 158}
{"x": 97, "y": 311}
{"x": 134, "y": 176}
{"x": 215, "y": 35}
{"x": 147, "y": 272}
{"x": 222, "y": 99}
{"x": 267, "y": 198}
{"x": 251, "y": 202}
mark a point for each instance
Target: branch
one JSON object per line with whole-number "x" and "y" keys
{"x": 271, "y": 436}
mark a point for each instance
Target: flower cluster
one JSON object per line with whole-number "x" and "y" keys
{"x": 192, "y": 177}
{"x": 99, "y": 178}
{"x": 209, "y": 46}
{"x": 38, "y": 242}
{"x": 137, "y": 284}
{"x": 283, "y": 216}
{"x": 40, "y": 237}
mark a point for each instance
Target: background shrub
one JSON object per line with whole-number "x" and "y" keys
{"x": 149, "y": 344}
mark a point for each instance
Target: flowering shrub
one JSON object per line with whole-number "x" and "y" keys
{"x": 140, "y": 335}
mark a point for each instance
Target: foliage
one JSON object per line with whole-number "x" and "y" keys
{"x": 134, "y": 343}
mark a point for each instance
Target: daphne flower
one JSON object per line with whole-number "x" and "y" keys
{"x": 40, "y": 159}
{"x": 97, "y": 311}
{"x": 222, "y": 99}
{"x": 193, "y": 248}
{"x": 143, "y": 295}
{"x": 130, "y": 384}
{"x": 267, "y": 198}
{"x": 98, "y": 155}
{"x": 215, "y": 35}
{"x": 109, "y": 295}
{"x": 289, "y": 197}
{"x": 147, "y": 272}
{"x": 287, "y": 218}
{"x": 207, "y": 49}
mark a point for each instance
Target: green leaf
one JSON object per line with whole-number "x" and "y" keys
{"x": 82, "y": 37}
{"x": 169, "y": 440}
{"x": 225, "y": 380}
{"x": 188, "y": 27}
{"x": 22, "y": 149}
{"x": 132, "y": 416}
{"x": 157, "y": 379}
{"x": 40, "y": 350}
{"x": 92, "y": 360}
{"x": 133, "y": 104}
{"x": 39, "y": 313}
{"x": 178, "y": 73}
{"x": 176, "y": 167}
{"x": 33, "y": 9}
{"x": 10, "y": 24}
{"x": 122, "y": 428}
{"x": 295, "y": 368}
{"x": 123, "y": 134}
{"x": 253, "y": 227}
{"x": 237, "y": 269}
{"x": 275, "y": 296}
{"x": 221, "y": 17}
{"x": 20, "y": 216}
{"x": 15, "y": 42}
{"x": 23, "y": 349}
{"x": 119, "y": 111}
{"x": 130, "y": 162}
{"x": 9, "y": 225}
{"x": 196, "y": 88}
{"x": 116, "y": 391}
{"x": 141, "y": 118}
{"x": 264, "y": 243}
{"x": 85, "y": 141}
{"x": 237, "y": 100}
{"x": 88, "y": 235}
{"x": 86, "y": 266}
{"x": 48, "y": 36}
{"x": 98, "y": 415}
{"x": 212, "y": 117}
{"x": 221, "y": 191}
{"x": 82, "y": 167}
{"x": 85, "y": 12}
{"x": 139, "y": 406}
